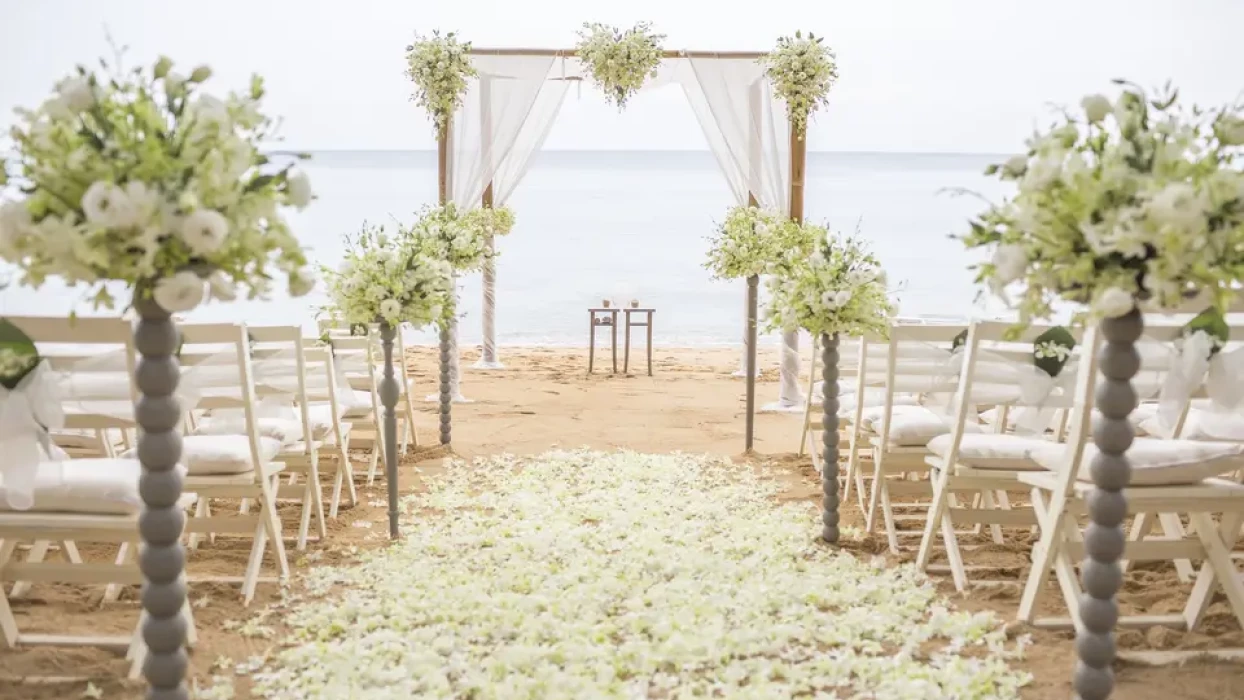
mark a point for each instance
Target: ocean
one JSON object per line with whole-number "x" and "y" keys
{"x": 625, "y": 225}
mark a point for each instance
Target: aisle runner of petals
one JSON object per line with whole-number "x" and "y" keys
{"x": 591, "y": 575}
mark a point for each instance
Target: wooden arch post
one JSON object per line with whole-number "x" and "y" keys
{"x": 753, "y": 282}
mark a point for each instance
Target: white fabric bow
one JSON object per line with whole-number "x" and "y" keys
{"x": 1190, "y": 366}
{"x": 27, "y": 413}
{"x": 1035, "y": 389}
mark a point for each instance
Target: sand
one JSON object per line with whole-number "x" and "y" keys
{"x": 545, "y": 398}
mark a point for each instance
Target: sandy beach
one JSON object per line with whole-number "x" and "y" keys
{"x": 545, "y": 398}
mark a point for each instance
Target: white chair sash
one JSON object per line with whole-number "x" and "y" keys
{"x": 1191, "y": 366}
{"x": 27, "y": 413}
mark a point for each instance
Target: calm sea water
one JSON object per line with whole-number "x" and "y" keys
{"x": 629, "y": 225}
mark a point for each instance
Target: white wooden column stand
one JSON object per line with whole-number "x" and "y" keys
{"x": 1101, "y": 575}
{"x": 488, "y": 351}
{"x": 389, "y": 394}
{"x": 161, "y": 558}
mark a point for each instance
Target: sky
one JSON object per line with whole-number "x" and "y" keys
{"x": 916, "y": 75}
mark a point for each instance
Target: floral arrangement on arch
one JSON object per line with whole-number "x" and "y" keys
{"x": 490, "y": 221}
{"x": 461, "y": 240}
{"x": 620, "y": 61}
{"x": 139, "y": 177}
{"x": 754, "y": 241}
{"x": 389, "y": 279}
{"x": 1136, "y": 199}
{"x": 840, "y": 288}
{"x": 439, "y": 66}
{"x": 802, "y": 71}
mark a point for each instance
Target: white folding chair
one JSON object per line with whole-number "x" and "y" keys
{"x": 1168, "y": 476}
{"x": 216, "y": 358}
{"x": 93, "y": 500}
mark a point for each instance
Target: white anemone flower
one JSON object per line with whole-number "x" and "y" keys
{"x": 180, "y": 293}
{"x": 204, "y": 231}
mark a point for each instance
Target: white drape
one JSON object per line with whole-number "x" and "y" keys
{"x": 505, "y": 116}
{"x": 508, "y": 111}
{"x": 747, "y": 130}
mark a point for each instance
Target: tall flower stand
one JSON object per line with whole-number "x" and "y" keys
{"x": 1104, "y": 539}
{"x": 749, "y": 369}
{"x": 829, "y": 465}
{"x": 389, "y": 393}
{"x": 161, "y": 558}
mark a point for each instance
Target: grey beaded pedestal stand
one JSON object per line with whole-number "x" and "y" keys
{"x": 1101, "y": 575}
{"x": 446, "y": 387}
{"x": 829, "y": 465}
{"x": 749, "y": 433}
{"x": 160, "y": 524}
{"x": 388, "y": 397}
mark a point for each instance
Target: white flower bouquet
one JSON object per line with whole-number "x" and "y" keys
{"x": 802, "y": 72}
{"x": 1136, "y": 199}
{"x": 840, "y": 288}
{"x": 439, "y": 66}
{"x": 754, "y": 241}
{"x": 620, "y": 61}
{"x": 490, "y": 221}
{"x": 390, "y": 280}
{"x": 461, "y": 240}
{"x": 137, "y": 177}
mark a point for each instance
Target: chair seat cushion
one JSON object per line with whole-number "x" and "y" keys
{"x": 1201, "y": 424}
{"x": 911, "y": 426}
{"x": 233, "y": 422}
{"x": 358, "y": 404}
{"x": 991, "y": 450}
{"x": 321, "y": 416}
{"x": 1157, "y": 462}
{"x": 219, "y": 455}
{"x": 847, "y": 402}
{"x": 105, "y": 486}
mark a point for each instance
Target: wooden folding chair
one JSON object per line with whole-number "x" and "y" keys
{"x": 1185, "y": 485}
{"x": 93, "y": 500}
{"x": 918, "y": 362}
{"x": 233, "y": 466}
{"x": 987, "y": 464}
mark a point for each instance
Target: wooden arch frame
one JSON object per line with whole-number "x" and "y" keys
{"x": 798, "y": 166}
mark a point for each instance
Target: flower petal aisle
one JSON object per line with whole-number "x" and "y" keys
{"x": 579, "y": 574}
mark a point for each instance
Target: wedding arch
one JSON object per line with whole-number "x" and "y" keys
{"x": 506, "y": 114}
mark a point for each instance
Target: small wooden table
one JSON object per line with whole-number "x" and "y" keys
{"x": 646, "y": 323}
{"x": 608, "y": 317}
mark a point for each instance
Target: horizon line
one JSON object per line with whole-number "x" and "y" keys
{"x": 291, "y": 151}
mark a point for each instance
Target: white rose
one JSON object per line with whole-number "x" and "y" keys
{"x": 77, "y": 93}
{"x": 1015, "y": 165}
{"x": 1230, "y": 130}
{"x": 301, "y": 282}
{"x": 221, "y": 287}
{"x": 842, "y": 298}
{"x": 829, "y": 301}
{"x": 390, "y": 309}
{"x": 14, "y": 224}
{"x": 209, "y": 111}
{"x": 1113, "y": 303}
{"x": 57, "y": 109}
{"x": 181, "y": 292}
{"x": 1009, "y": 262}
{"x": 1044, "y": 171}
{"x": 1179, "y": 205}
{"x": 1096, "y": 107}
{"x": 58, "y": 234}
{"x": 298, "y": 189}
{"x": 204, "y": 231}
{"x": 104, "y": 203}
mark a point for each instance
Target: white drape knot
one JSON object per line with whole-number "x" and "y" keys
{"x": 27, "y": 414}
